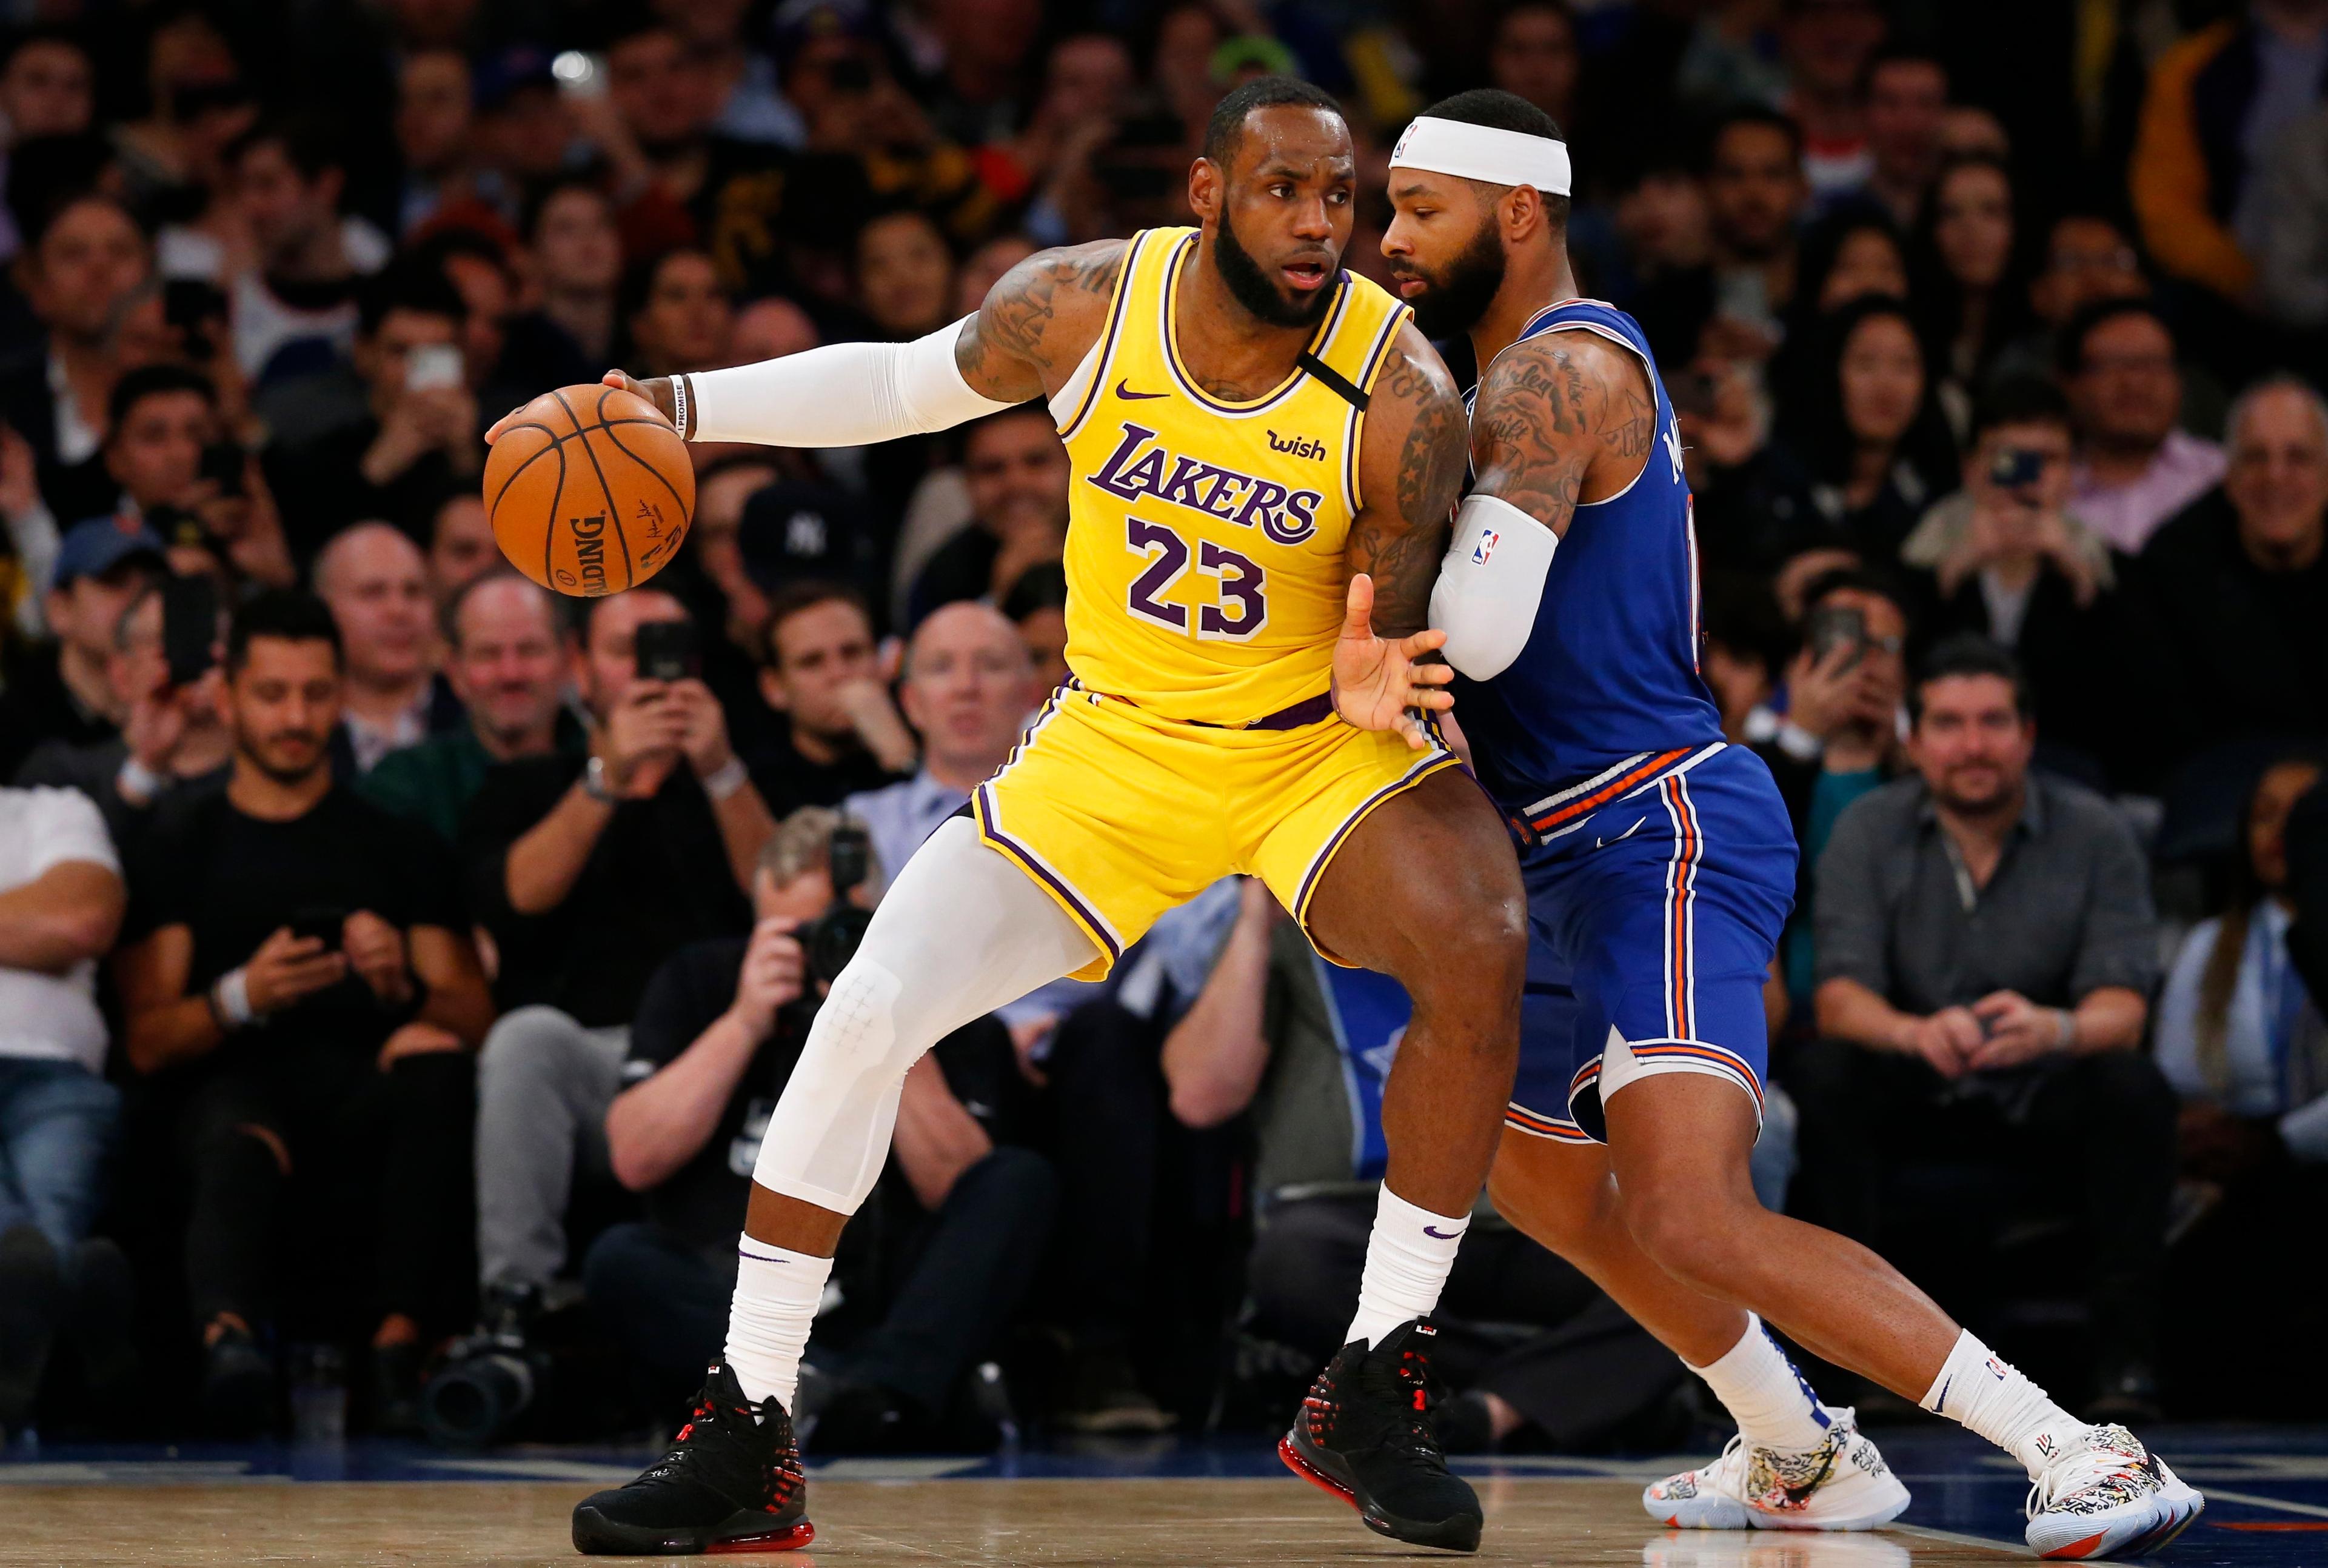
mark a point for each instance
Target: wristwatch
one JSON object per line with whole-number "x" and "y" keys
{"x": 595, "y": 782}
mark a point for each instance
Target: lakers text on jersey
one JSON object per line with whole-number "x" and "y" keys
{"x": 1204, "y": 589}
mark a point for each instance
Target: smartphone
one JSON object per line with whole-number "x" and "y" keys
{"x": 196, "y": 310}
{"x": 666, "y": 650}
{"x": 223, "y": 466}
{"x": 189, "y": 627}
{"x": 430, "y": 366}
{"x": 1743, "y": 295}
{"x": 1838, "y": 626}
{"x": 579, "y": 75}
{"x": 323, "y": 922}
{"x": 2016, "y": 468}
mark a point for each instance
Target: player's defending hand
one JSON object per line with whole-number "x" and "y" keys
{"x": 1383, "y": 682}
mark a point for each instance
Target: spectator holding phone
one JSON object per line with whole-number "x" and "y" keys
{"x": 589, "y": 870}
{"x": 180, "y": 475}
{"x": 409, "y": 438}
{"x": 1987, "y": 946}
{"x": 299, "y": 984}
{"x": 164, "y": 670}
{"x": 2010, "y": 564}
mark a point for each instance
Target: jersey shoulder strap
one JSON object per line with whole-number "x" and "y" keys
{"x": 1365, "y": 321}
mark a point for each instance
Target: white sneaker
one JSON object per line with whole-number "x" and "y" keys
{"x": 2103, "y": 1495}
{"x": 1842, "y": 1484}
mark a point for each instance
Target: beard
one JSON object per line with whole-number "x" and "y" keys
{"x": 1453, "y": 302}
{"x": 1252, "y": 290}
{"x": 268, "y": 754}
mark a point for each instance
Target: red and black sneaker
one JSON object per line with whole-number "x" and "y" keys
{"x": 730, "y": 1483}
{"x": 1367, "y": 1433}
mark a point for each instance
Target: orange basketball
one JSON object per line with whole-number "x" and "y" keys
{"x": 590, "y": 492}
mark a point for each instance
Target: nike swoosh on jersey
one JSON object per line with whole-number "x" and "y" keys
{"x": 1124, "y": 390}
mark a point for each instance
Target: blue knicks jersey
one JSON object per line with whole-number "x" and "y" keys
{"x": 1609, "y": 678}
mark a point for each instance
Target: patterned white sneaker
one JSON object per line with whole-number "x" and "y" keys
{"x": 2103, "y": 1495}
{"x": 1842, "y": 1484}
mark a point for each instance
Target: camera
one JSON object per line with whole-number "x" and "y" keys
{"x": 667, "y": 651}
{"x": 831, "y": 939}
{"x": 490, "y": 1378}
{"x": 2016, "y": 468}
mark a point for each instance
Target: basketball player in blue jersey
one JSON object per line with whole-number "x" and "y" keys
{"x": 1660, "y": 866}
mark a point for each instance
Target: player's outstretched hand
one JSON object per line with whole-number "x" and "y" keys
{"x": 656, "y": 391}
{"x": 1383, "y": 682}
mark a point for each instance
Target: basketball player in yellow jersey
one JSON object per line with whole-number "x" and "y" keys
{"x": 1265, "y": 454}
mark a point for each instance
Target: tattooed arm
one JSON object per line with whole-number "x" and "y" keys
{"x": 1410, "y": 471}
{"x": 1562, "y": 417}
{"x": 1559, "y": 418}
{"x": 1024, "y": 342}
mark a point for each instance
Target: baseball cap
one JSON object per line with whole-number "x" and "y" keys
{"x": 94, "y": 548}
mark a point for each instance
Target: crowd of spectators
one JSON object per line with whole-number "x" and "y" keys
{"x": 387, "y": 948}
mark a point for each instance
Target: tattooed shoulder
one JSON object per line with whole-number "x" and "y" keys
{"x": 1548, "y": 410}
{"x": 1419, "y": 415}
{"x": 1040, "y": 317}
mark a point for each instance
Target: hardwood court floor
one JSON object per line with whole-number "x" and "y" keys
{"x": 1055, "y": 1524}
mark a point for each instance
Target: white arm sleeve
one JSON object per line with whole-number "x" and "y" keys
{"x": 839, "y": 395}
{"x": 1491, "y": 584}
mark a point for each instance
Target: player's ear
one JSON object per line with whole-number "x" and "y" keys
{"x": 1205, "y": 189}
{"x": 1522, "y": 211}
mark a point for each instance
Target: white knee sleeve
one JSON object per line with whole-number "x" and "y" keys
{"x": 959, "y": 932}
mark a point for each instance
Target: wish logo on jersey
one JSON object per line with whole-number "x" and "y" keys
{"x": 1141, "y": 466}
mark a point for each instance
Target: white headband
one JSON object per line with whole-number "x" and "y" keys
{"x": 1483, "y": 152}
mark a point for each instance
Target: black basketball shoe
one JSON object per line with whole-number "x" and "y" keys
{"x": 730, "y": 1484}
{"x": 1366, "y": 1434}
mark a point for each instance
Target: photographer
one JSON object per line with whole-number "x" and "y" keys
{"x": 301, "y": 989}
{"x": 184, "y": 478}
{"x": 2011, "y": 564}
{"x": 958, "y": 1224}
{"x": 588, "y": 871}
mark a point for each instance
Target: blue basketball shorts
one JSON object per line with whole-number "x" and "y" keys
{"x": 1654, "y": 914}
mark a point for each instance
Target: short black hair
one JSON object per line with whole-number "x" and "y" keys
{"x": 637, "y": 284}
{"x": 52, "y": 34}
{"x": 1858, "y": 580}
{"x": 1041, "y": 586}
{"x": 289, "y": 615}
{"x": 1498, "y": 110}
{"x": 48, "y": 176}
{"x": 587, "y": 181}
{"x": 1970, "y": 653}
{"x": 1752, "y": 114}
{"x": 1225, "y": 129}
{"x": 309, "y": 142}
{"x": 2018, "y": 400}
{"x": 153, "y": 381}
{"x": 1504, "y": 111}
{"x": 2093, "y": 313}
{"x": 807, "y": 594}
{"x": 458, "y": 240}
{"x": 408, "y": 285}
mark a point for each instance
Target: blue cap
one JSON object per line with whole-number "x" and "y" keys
{"x": 94, "y": 548}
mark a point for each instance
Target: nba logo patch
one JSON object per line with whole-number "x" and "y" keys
{"x": 1485, "y": 548}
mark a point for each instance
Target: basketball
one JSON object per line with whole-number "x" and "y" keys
{"x": 591, "y": 491}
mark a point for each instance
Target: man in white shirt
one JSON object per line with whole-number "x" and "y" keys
{"x": 60, "y": 902}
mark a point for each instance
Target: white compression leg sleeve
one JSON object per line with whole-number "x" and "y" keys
{"x": 839, "y": 395}
{"x": 961, "y": 932}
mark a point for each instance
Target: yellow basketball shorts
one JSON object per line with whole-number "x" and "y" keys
{"x": 1121, "y": 814}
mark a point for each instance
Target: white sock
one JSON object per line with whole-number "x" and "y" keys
{"x": 1407, "y": 1260}
{"x": 776, "y": 1295}
{"x": 1771, "y": 1401}
{"x": 1981, "y": 1393}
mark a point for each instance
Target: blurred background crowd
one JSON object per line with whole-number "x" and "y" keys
{"x": 398, "y": 964}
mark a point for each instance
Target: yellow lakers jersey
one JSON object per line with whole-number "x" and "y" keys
{"x": 1204, "y": 558}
